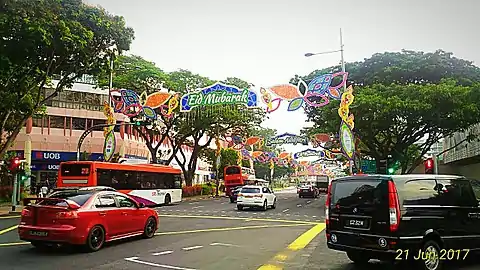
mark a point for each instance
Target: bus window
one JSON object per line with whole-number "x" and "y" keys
{"x": 104, "y": 178}
{"x": 232, "y": 170}
{"x": 75, "y": 169}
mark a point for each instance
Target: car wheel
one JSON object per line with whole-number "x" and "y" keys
{"x": 274, "y": 205}
{"x": 300, "y": 196}
{"x": 168, "y": 199}
{"x": 358, "y": 257}
{"x": 150, "y": 228}
{"x": 432, "y": 261}
{"x": 95, "y": 239}
{"x": 240, "y": 207}
{"x": 232, "y": 200}
{"x": 265, "y": 206}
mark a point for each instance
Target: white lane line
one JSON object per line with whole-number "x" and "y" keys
{"x": 286, "y": 210}
{"x": 192, "y": 248}
{"x": 223, "y": 244}
{"x": 299, "y": 205}
{"x": 309, "y": 202}
{"x": 314, "y": 216}
{"x": 163, "y": 253}
{"x": 136, "y": 260}
{"x": 197, "y": 207}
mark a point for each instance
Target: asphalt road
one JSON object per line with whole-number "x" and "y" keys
{"x": 204, "y": 234}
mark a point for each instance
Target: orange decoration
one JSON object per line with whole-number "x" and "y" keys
{"x": 283, "y": 155}
{"x": 252, "y": 140}
{"x": 256, "y": 154}
{"x": 157, "y": 99}
{"x": 286, "y": 91}
{"x": 322, "y": 137}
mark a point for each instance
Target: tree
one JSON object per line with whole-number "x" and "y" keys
{"x": 42, "y": 39}
{"x": 394, "y": 107}
{"x": 228, "y": 157}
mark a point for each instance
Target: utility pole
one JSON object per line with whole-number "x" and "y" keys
{"x": 342, "y": 60}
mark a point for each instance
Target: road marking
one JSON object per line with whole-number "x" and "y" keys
{"x": 192, "y": 248}
{"x": 196, "y": 207}
{"x": 232, "y": 229}
{"x": 7, "y": 217}
{"x": 309, "y": 202}
{"x": 8, "y": 229}
{"x": 299, "y": 205}
{"x": 223, "y": 244}
{"x": 136, "y": 260}
{"x": 14, "y": 244}
{"x": 239, "y": 218}
{"x": 286, "y": 210}
{"x": 163, "y": 253}
{"x": 298, "y": 244}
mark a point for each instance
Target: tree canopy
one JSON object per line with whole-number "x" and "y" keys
{"x": 49, "y": 39}
{"x": 401, "y": 98}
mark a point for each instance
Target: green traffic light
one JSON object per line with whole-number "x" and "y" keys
{"x": 391, "y": 170}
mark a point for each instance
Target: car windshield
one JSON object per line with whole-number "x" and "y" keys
{"x": 250, "y": 190}
{"x": 79, "y": 197}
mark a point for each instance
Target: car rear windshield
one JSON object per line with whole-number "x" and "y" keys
{"x": 250, "y": 190}
{"x": 359, "y": 191}
{"x": 79, "y": 197}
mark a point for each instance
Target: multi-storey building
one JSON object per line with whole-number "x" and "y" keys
{"x": 462, "y": 157}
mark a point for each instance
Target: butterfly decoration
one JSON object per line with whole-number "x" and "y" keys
{"x": 344, "y": 110}
{"x": 317, "y": 94}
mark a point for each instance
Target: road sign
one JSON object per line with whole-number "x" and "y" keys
{"x": 369, "y": 166}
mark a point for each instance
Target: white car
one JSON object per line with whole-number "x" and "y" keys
{"x": 256, "y": 196}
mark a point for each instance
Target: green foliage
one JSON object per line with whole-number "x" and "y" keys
{"x": 46, "y": 38}
{"x": 228, "y": 157}
{"x": 262, "y": 170}
{"x": 395, "y": 107}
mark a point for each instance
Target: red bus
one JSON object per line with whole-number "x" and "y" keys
{"x": 235, "y": 176}
{"x": 150, "y": 184}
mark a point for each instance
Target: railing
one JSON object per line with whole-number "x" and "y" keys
{"x": 463, "y": 151}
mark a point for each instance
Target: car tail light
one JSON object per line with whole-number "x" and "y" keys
{"x": 67, "y": 215}
{"x": 393, "y": 206}
{"x": 26, "y": 213}
{"x": 327, "y": 203}
{"x": 239, "y": 195}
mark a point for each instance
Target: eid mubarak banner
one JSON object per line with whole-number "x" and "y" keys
{"x": 287, "y": 138}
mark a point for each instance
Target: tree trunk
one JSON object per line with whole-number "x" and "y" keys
{"x": 188, "y": 177}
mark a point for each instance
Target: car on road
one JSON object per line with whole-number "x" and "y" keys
{"x": 256, "y": 197}
{"x": 234, "y": 193}
{"x": 85, "y": 217}
{"x": 308, "y": 191}
{"x": 403, "y": 217}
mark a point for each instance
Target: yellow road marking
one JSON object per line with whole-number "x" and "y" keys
{"x": 298, "y": 244}
{"x": 231, "y": 229}
{"x": 246, "y": 219}
{"x": 13, "y": 244}
{"x": 5, "y": 217}
{"x": 8, "y": 229}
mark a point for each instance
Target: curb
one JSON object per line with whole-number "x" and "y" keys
{"x": 206, "y": 197}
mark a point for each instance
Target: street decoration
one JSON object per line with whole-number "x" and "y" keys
{"x": 129, "y": 103}
{"x": 108, "y": 112}
{"x": 218, "y": 94}
{"x": 287, "y": 138}
{"x": 309, "y": 153}
{"x": 344, "y": 109}
{"x": 347, "y": 140}
{"x": 317, "y": 139}
{"x": 317, "y": 93}
{"x": 109, "y": 144}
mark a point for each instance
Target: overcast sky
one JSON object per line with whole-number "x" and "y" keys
{"x": 264, "y": 41}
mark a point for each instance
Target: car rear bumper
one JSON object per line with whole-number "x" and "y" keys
{"x": 63, "y": 234}
{"x": 251, "y": 203}
{"x": 307, "y": 193}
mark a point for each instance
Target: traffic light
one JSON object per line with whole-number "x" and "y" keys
{"x": 429, "y": 166}
{"x": 14, "y": 164}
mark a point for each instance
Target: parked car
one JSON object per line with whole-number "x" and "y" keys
{"x": 85, "y": 217}
{"x": 234, "y": 193}
{"x": 256, "y": 197}
{"x": 308, "y": 191}
{"x": 397, "y": 217}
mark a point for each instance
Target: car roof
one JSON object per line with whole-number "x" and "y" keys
{"x": 401, "y": 178}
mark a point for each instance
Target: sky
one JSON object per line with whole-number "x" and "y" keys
{"x": 264, "y": 41}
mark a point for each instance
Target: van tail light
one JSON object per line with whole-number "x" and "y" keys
{"x": 67, "y": 215}
{"x": 327, "y": 204}
{"x": 393, "y": 206}
{"x": 26, "y": 213}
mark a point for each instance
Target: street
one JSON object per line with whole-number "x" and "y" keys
{"x": 203, "y": 234}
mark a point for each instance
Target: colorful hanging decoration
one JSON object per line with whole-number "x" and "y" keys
{"x": 129, "y": 103}
{"x": 344, "y": 110}
{"x": 109, "y": 146}
{"x": 347, "y": 140}
{"x": 287, "y": 138}
{"x": 309, "y": 153}
{"x": 218, "y": 94}
{"x": 317, "y": 139}
{"x": 108, "y": 112}
{"x": 317, "y": 93}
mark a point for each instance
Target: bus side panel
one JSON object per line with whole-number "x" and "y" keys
{"x": 152, "y": 197}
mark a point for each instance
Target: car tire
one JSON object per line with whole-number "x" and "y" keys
{"x": 95, "y": 239}
{"x": 240, "y": 207}
{"x": 300, "y": 196}
{"x": 168, "y": 199}
{"x": 274, "y": 205}
{"x": 232, "y": 200}
{"x": 434, "y": 262}
{"x": 358, "y": 257}
{"x": 150, "y": 228}
{"x": 265, "y": 206}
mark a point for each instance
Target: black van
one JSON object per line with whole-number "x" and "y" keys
{"x": 423, "y": 218}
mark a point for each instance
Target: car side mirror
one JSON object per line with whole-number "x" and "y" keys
{"x": 141, "y": 205}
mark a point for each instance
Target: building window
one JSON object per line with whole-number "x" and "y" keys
{"x": 78, "y": 123}
{"x": 98, "y": 122}
{"x": 57, "y": 121}
{"x": 37, "y": 121}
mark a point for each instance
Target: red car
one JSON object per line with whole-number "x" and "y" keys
{"x": 85, "y": 217}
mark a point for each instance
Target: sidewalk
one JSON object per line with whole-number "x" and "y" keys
{"x": 6, "y": 210}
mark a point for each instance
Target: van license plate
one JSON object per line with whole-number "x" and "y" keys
{"x": 37, "y": 233}
{"x": 355, "y": 223}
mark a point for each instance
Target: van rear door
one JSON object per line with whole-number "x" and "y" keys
{"x": 360, "y": 204}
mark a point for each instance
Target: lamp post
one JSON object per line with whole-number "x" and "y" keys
{"x": 342, "y": 62}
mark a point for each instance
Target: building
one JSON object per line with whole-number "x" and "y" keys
{"x": 462, "y": 157}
